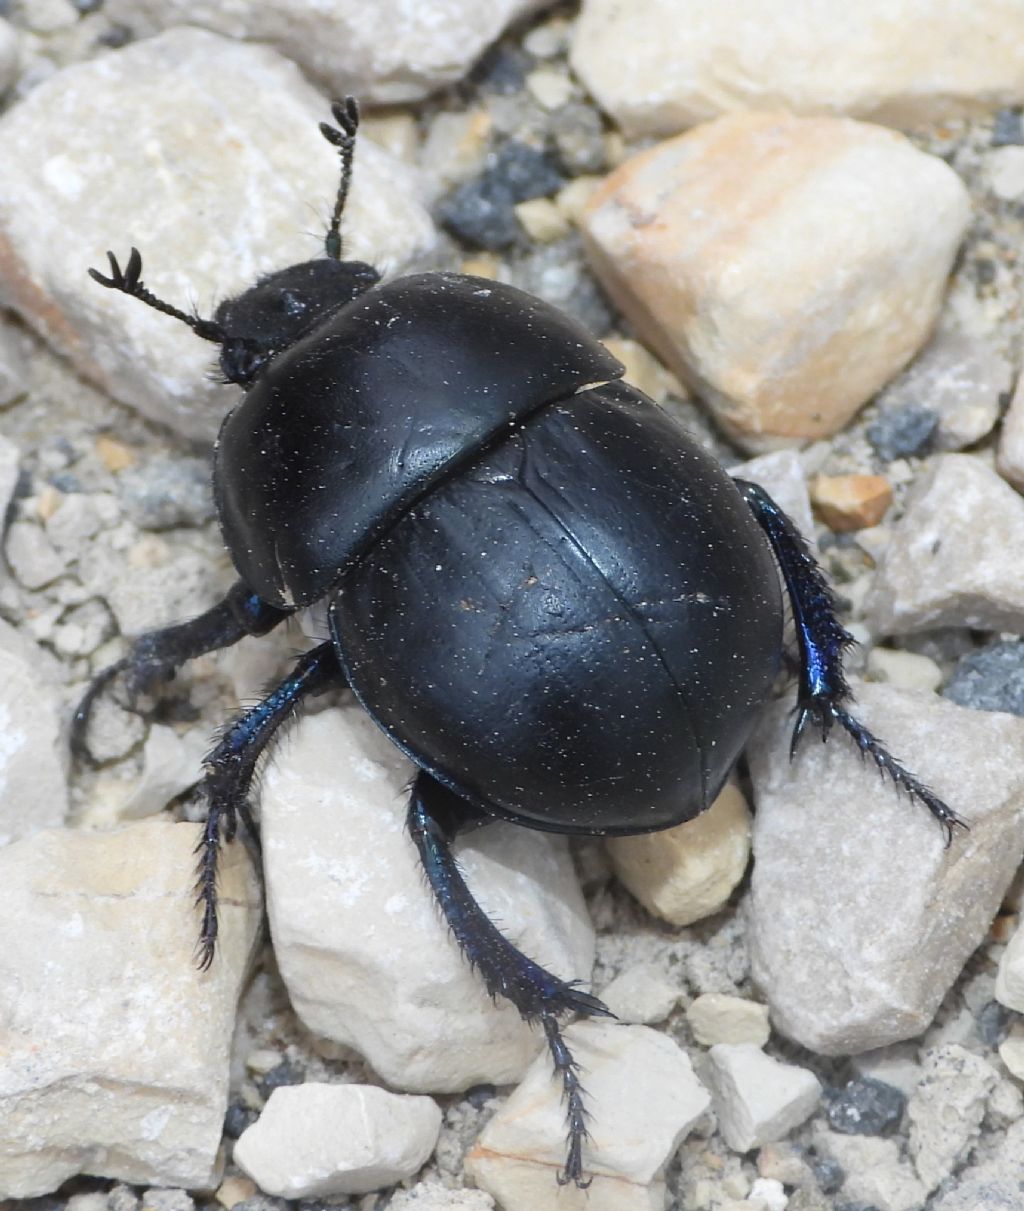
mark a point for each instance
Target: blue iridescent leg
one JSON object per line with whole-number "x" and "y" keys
{"x": 155, "y": 656}
{"x": 824, "y": 693}
{"x": 435, "y": 816}
{"x": 230, "y": 768}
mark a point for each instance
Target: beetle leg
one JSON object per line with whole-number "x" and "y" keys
{"x": 229, "y": 773}
{"x": 155, "y": 656}
{"x": 435, "y": 815}
{"x": 824, "y": 692}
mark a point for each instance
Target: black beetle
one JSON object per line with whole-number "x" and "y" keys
{"x": 549, "y": 597}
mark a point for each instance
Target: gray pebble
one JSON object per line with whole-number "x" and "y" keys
{"x": 285, "y": 1073}
{"x": 578, "y": 136}
{"x": 865, "y": 1106}
{"x": 122, "y": 1198}
{"x": 904, "y": 432}
{"x": 993, "y": 1023}
{"x": 990, "y": 679}
{"x": 167, "y": 1200}
{"x": 1008, "y": 128}
{"x": 237, "y": 1120}
{"x": 167, "y": 492}
{"x": 828, "y": 1173}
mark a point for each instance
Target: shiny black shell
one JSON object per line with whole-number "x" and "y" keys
{"x": 544, "y": 591}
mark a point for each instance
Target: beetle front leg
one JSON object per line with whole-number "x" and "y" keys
{"x": 435, "y": 815}
{"x": 230, "y": 769}
{"x": 824, "y": 692}
{"x": 157, "y": 655}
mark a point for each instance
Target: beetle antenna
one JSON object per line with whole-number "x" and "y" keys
{"x": 343, "y": 137}
{"x": 129, "y": 281}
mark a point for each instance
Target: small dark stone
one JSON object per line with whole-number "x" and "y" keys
{"x": 238, "y": 1119}
{"x": 990, "y": 679}
{"x": 480, "y": 1095}
{"x": 828, "y": 1174}
{"x": 87, "y": 6}
{"x": 285, "y": 1073}
{"x": 865, "y": 1107}
{"x": 502, "y": 69}
{"x": 993, "y": 1023}
{"x": 116, "y": 36}
{"x": 984, "y": 270}
{"x": 66, "y": 481}
{"x": 480, "y": 212}
{"x": 904, "y": 432}
{"x": 1008, "y": 129}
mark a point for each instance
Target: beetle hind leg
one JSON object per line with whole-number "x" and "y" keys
{"x": 230, "y": 768}
{"x": 824, "y": 693}
{"x": 435, "y": 814}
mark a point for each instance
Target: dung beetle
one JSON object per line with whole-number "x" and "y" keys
{"x": 551, "y": 598}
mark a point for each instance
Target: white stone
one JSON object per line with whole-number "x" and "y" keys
{"x": 31, "y": 556}
{"x": 658, "y": 66}
{"x": 1010, "y": 978}
{"x": 907, "y": 670}
{"x": 360, "y": 942}
{"x": 113, "y": 1046}
{"x": 204, "y": 153}
{"x": 33, "y": 758}
{"x": 316, "y": 1140}
{"x": 770, "y": 1192}
{"x": 8, "y": 55}
{"x": 758, "y": 1099}
{"x": 946, "y": 1110}
{"x": 946, "y": 563}
{"x": 644, "y": 1100}
{"x": 383, "y": 52}
{"x": 641, "y": 995}
{"x": 170, "y": 765}
{"x": 715, "y": 1017}
{"x": 1004, "y": 171}
{"x": 688, "y": 872}
{"x": 433, "y": 1196}
{"x": 778, "y": 264}
{"x": 860, "y": 916}
{"x": 875, "y": 1174}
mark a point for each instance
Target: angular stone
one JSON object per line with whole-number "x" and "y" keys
{"x": 860, "y": 917}
{"x": 758, "y": 1099}
{"x": 778, "y": 264}
{"x": 659, "y": 66}
{"x": 385, "y": 52}
{"x": 644, "y": 1100}
{"x": 316, "y": 1141}
{"x": 686, "y": 873}
{"x": 947, "y": 565}
{"x": 641, "y": 995}
{"x": 947, "y": 1109}
{"x": 33, "y": 760}
{"x": 875, "y": 1176}
{"x": 718, "y": 1018}
{"x": 851, "y": 502}
{"x": 1010, "y": 979}
{"x": 114, "y": 1050}
{"x": 359, "y": 940}
{"x": 206, "y": 154}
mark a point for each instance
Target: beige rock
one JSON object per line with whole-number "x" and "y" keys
{"x": 206, "y": 154}
{"x": 359, "y": 940}
{"x": 779, "y": 264}
{"x": 542, "y": 220}
{"x": 1010, "y": 456}
{"x": 908, "y": 670}
{"x": 717, "y": 1018}
{"x": 641, "y": 994}
{"x": 644, "y": 1099}
{"x": 688, "y": 872}
{"x": 860, "y": 916}
{"x": 851, "y": 502}
{"x": 1010, "y": 978}
{"x": 384, "y": 52}
{"x": 758, "y": 1099}
{"x": 659, "y": 66}
{"x": 644, "y": 370}
{"x": 316, "y": 1140}
{"x": 113, "y": 1046}
{"x": 946, "y": 563}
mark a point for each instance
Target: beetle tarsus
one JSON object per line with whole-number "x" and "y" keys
{"x": 434, "y": 813}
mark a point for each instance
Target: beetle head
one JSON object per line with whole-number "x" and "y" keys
{"x": 282, "y": 307}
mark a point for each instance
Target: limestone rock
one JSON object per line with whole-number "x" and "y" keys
{"x": 206, "y": 154}
{"x": 113, "y": 1046}
{"x": 758, "y": 1099}
{"x": 658, "y": 66}
{"x": 860, "y": 917}
{"x": 1010, "y": 457}
{"x": 716, "y": 1017}
{"x": 33, "y": 774}
{"x": 641, "y": 995}
{"x": 360, "y": 942}
{"x": 778, "y": 264}
{"x": 384, "y": 52}
{"x": 644, "y": 1099}
{"x": 316, "y": 1140}
{"x": 685, "y": 873}
{"x": 947, "y": 564}
{"x": 1010, "y": 980}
